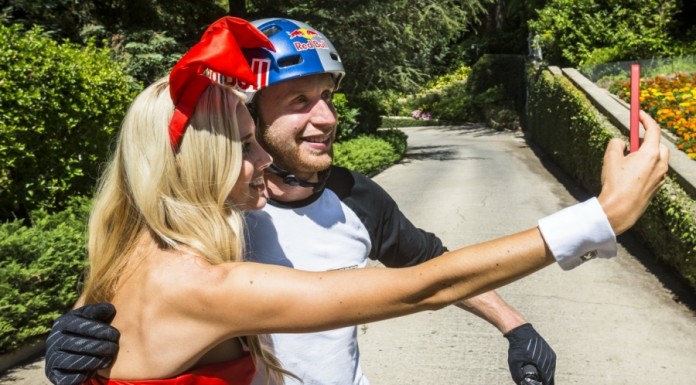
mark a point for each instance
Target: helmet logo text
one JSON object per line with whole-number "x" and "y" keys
{"x": 308, "y": 35}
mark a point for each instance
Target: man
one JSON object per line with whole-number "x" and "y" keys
{"x": 315, "y": 213}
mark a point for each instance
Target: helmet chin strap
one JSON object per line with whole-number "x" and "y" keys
{"x": 291, "y": 180}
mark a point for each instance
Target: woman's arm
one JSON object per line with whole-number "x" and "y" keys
{"x": 248, "y": 298}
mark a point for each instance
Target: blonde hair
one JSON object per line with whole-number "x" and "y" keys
{"x": 180, "y": 198}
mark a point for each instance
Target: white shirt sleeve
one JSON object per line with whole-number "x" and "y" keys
{"x": 578, "y": 233}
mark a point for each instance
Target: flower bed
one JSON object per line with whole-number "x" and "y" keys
{"x": 671, "y": 100}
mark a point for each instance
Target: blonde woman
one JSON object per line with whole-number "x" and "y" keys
{"x": 166, "y": 240}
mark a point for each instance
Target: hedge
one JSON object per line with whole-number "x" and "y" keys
{"x": 61, "y": 104}
{"x": 40, "y": 269}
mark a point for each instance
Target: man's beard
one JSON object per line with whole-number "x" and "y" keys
{"x": 290, "y": 157}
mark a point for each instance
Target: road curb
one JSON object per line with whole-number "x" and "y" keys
{"x": 10, "y": 360}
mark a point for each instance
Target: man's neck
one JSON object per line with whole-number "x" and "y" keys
{"x": 283, "y": 192}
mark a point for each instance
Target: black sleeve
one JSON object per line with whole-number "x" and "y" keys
{"x": 396, "y": 242}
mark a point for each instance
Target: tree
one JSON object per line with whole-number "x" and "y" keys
{"x": 579, "y": 32}
{"x": 395, "y": 44}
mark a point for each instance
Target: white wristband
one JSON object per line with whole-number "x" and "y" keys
{"x": 578, "y": 233}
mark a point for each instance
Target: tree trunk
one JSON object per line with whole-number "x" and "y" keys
{"x": 237, "y": 8}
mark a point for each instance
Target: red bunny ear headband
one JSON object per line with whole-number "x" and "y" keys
{"x": 219, "y": 50}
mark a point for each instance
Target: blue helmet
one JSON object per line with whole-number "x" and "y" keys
{"x": 300, "y": 50}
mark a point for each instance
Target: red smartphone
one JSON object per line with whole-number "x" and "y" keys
{"x": 634, "y": 136}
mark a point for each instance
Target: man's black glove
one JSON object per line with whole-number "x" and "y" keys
{"x": 528, "y": 347}
{"x": 80, "y": 343}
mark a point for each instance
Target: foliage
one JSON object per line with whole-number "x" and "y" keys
{"x": 77, "y": 20}
{"x": 61, "y": 105}
{"x": 671, "y": 100}
{"x": 579, "y": 32}
{"x": 370, "y": 154}
{"x": 396, "y": 44}
{"x": 496, "y": 99}
{"x": 347, "y": 118}
{"x": 371, "y": 111}
{"x": 149, "y": 55}
{"x": 668, "y": 227}
{"x": 562, "y": 120}
{"x": 148, "y": 36}
{"x": 457, "y": 76}
{"x": 40, "y": 269}
{"x": 396, "y": 138}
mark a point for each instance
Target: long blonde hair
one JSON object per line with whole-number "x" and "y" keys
{"x": 180, "y": 198}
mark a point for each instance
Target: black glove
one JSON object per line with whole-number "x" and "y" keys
{"x": 80, "y": 343}
{"x": 528, "y": 347}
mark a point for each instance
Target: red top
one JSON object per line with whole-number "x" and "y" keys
{"x": 236, "y": 372}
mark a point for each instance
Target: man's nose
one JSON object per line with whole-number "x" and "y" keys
{"x": 323, "y": 114}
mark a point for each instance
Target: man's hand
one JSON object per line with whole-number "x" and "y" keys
{"x": 528, "y": 347}
{"x": 80, "y": 343}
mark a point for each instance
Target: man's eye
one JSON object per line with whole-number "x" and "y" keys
{"x": 246, "y": 147}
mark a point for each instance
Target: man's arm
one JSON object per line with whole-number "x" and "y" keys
{"x": 526, "y": 345}
{"x": 493, "y": 309}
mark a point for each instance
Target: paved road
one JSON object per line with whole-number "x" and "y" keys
{"x": 610, "y": 321}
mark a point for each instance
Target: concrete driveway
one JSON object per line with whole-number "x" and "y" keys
{"x": 617, "y": 321}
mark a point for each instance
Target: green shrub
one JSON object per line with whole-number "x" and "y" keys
{"x": 369, "y": 154}
{"x": 396, "y": 138}
{"x": 40, "y": 268}
{"x": 61, "y": 105}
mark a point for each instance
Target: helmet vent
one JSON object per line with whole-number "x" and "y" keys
{"x": 290, "y": 61}
{"x": 270, "y": 31}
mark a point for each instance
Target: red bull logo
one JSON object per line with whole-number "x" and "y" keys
{"x": 303, "y": 32}
{"x": 308, "y": 35}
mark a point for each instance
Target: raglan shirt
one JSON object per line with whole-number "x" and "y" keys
{"x": 350, "y": 220}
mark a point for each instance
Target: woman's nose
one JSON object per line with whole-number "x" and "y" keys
{"x": 262, "y": 159}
